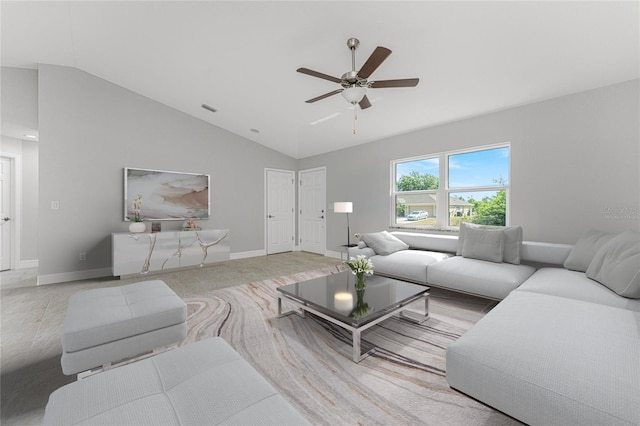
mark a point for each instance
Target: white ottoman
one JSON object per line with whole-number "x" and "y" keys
{"x": 106, "y": 325}
{"x": 203, "y": 383}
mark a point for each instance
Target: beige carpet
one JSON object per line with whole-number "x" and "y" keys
{"x": 309, "y": 360}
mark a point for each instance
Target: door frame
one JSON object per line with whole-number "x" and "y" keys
{"x": 16, "y": 202}
{"x": 265, "y": 207}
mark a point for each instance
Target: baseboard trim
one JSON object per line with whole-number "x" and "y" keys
{"x": 334, "y": 254}
{"x": 74, "y": 276}
{"x": 246, "y": 254}
{"x": 26, "y": 264}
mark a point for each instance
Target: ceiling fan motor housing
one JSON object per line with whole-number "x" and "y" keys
{"x": 351, "y": 78}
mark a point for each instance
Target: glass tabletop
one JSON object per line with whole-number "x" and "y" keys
{"x": 335, "y": 295}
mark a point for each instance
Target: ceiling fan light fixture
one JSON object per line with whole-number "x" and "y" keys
{"x": 354, "y": 94}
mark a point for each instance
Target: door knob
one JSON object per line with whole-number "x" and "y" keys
{"x": 270, "y": 217}
{"x": 6, "y": 218}
{"x": 321, "y": 217}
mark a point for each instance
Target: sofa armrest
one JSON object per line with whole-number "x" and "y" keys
{"x": 355, "y": 251}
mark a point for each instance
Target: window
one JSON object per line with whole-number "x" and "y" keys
{"x": 441, "y": 191}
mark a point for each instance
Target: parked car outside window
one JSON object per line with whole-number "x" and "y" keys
{"x": 417, "y": 215}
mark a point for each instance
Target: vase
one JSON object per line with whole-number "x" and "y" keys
{"x": 137, "y": 227}
{"x": 361, "y": 309}
{"x": 360, "y": 282}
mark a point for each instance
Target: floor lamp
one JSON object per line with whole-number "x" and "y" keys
{"x": 344, "y": 207}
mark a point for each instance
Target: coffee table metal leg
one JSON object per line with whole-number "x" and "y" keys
{"x": 300, "y": 311}
{"x": 356, "y": 346}
{"x": 416, "y": 318}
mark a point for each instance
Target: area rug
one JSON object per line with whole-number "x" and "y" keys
{"x": 308, "y": 360}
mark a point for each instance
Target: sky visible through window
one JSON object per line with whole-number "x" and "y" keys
{"x": 485, "y": 168}
{"x": 479, "y": 168}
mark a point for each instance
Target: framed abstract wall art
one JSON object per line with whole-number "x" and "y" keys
{"x": 166, "y": 195}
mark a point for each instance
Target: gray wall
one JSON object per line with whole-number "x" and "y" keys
{"x": 91, "y": 129}
{"x": 574, "y": 159}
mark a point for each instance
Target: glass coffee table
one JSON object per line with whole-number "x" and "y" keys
{"x": 335, "y": 299}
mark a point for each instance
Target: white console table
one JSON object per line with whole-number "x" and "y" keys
{"x": 148, "y": 252}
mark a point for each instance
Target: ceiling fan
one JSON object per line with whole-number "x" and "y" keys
{"x": 355, "y": 83}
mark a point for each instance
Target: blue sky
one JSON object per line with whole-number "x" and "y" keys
{"x": 470, "y": 169}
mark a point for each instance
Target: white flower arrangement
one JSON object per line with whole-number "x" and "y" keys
{"x": 137, "y": 208}
{"x": 360, "y": 264}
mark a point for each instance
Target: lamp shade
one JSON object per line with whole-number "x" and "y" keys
{"x": 354, "y": 94}
{"x": 343, "y": 207}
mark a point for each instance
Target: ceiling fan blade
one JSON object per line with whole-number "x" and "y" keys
{"x": 326, "y": 95}
{"x": 364, "y": 103}
{"x": 319, "y": 75}
{"x": 377, "y": 57}
{"x": 405, "y": 82}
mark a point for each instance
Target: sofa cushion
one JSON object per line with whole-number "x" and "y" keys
{"x": 617, "y": 265}
{"x": 585, "y": 248}
{"x": 102, "y": 315}
{"x": 512, "y": 243}
{"x": 550, "y": 360}
{"x": 409, "y": 265}
{"x": 483, "y": 244}
{"x": 383, "y": 242}
{"x": 429, "y": 242}
{"x": 487, "y": 279}
{"x": 575, "y": 285}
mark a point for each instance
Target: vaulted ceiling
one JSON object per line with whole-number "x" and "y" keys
{"x": 241, "y": 58}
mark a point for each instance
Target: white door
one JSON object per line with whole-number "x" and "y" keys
{"x": 5, "y": 214}
{"x": 280, "y": 210}
{"x": 312, "y": 210}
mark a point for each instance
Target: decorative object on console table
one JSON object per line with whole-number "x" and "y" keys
{"x": 344, "y": 207}
{"x": 137, "y": 225}
{"x": 156, "y": 226}
{"x": 190, "y": 225}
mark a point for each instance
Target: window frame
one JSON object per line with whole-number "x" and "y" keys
{"x": 444, "y": 191}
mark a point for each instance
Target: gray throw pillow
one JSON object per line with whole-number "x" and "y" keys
{"x": 617, "y": 265}
{"x": 384, "y": 243}
{"x": 512, "y": 241}
{"x": 585, "y": 248}
{"x": 484, "y": 244}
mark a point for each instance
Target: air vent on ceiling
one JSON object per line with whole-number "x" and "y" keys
{"x": 209, "y": 108}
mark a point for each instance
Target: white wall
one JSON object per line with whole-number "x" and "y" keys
{"x": 573, "y": 160}
{"x": 91, "y": 129}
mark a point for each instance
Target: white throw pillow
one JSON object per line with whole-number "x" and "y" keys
{"x": 512, "y": 240}
{"x": 384, "y": 243}
{"x": 484, "y": 244}
{"x": 586, "y": 248}
{"x": 617, "y": 265}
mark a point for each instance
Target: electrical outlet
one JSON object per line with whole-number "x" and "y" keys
{"x": 83, "y": 256}
{"x": 55, "y": 205}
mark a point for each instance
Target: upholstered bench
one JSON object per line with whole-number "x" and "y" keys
{"x": 205, "y": 383}
{"x": 106, "y": 325}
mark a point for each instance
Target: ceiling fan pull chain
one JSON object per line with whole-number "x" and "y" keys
{"x": 355, "y": 117}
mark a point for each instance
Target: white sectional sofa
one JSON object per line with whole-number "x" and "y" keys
{"x": 563, "y": 347}
{"x": 431, "y": 259}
